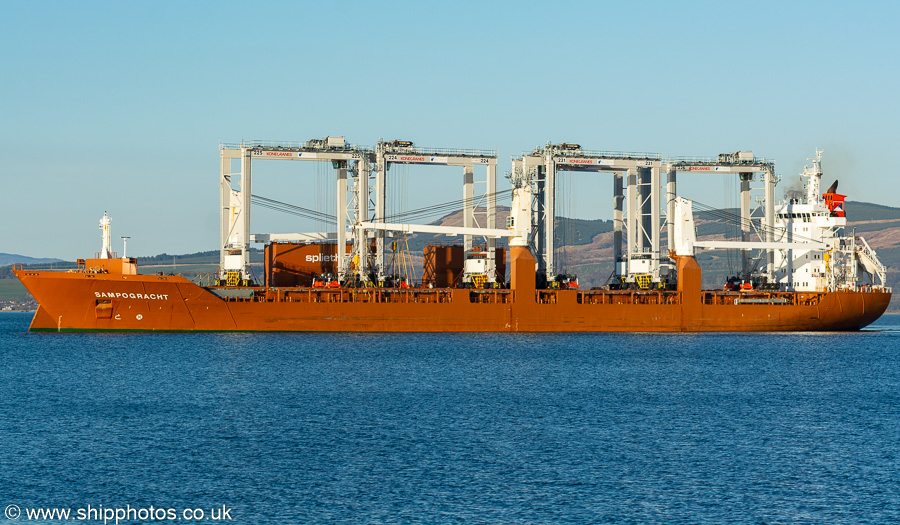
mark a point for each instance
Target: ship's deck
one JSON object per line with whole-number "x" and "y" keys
{"x": 503, "y": 296}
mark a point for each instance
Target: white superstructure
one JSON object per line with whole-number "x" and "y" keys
{"x": 832, "y": 261}
{"x": 811, "y": 252}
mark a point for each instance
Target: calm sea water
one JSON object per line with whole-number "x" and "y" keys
{"x": 586, "y": 428}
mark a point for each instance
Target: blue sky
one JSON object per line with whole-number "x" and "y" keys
{"x": 120, "y": 106}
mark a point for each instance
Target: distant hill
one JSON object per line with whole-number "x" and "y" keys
{"x": 592, "y": 262}
{"x": 585, "y": 246}
{"x": 866, "y": 211}
{"x": 10, "y": 258}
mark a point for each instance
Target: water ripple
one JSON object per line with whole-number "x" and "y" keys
{"x": 459, "y": 428}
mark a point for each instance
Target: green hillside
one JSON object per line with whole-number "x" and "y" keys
{"x": 13, "y": 290}
{"x": 866, "y": 211}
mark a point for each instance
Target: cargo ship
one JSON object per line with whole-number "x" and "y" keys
{"x": 817, "y": 279}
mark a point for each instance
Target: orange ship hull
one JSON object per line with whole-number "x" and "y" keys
{"x": 80, "y": 301}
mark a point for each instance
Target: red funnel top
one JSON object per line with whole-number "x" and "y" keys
{"x": 835, "y": 203}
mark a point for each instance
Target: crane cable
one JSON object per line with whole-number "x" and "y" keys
{"x": 722, "y": 215}
{"x": 447, "y": 207}
{"x": 328, "y": 218}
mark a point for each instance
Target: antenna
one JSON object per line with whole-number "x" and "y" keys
{"x": 125, "y": 247}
